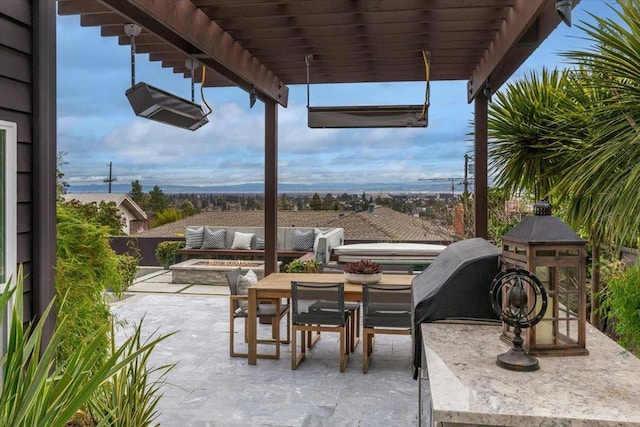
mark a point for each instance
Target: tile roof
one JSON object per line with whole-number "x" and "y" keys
{"x": 384, "y": 224}
{"x": 119, "y": 199}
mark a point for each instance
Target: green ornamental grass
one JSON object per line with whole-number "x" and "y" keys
{"x": 36, "y": 391}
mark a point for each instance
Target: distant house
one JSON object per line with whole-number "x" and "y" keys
{"x": 134, "y": 218}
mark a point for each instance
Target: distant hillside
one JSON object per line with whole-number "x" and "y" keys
{"x": 436, "y": 187}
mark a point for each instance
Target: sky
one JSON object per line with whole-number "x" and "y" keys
{"x": 96, "y": 125}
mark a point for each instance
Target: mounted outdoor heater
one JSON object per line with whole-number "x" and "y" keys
{"x": 550, "y": 250}
{"x": 156, "y": 104}
{"x": 378, "y": 116}
{"x": 367, "y": 116}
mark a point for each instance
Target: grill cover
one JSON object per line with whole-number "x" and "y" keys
{"x": 455, "y": 286}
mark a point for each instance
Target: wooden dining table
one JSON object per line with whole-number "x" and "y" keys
{"x": 278, "y": 285}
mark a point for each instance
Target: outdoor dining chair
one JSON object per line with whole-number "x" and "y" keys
{"x": 318, "y": 307}
{"x": 353, "y": 308}
{"x": 237, "y": 309}
{"x": 386, "y": 310}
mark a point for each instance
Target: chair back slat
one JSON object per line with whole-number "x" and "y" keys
{"x": 386, "y": 306}
{"x": 317, "y": 303}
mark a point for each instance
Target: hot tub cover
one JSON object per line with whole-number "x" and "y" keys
{"x": 392, "y": 249}
{"x": 389, "y": 253}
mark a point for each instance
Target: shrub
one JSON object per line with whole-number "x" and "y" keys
{"x": 128, "y": 268}
{"x": 363, "y": 266}
{"x": 299, "y": 266}
{"x": 86, "y": 267}
{"x": 166, "y": 251}
{"x": 621, "y": 304}
{"x": 166, "y": 216}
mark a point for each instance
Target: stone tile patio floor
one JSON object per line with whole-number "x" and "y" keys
{"x": 208, "y": 388}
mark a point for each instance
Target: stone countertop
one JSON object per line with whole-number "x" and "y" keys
{"x": 466, "y": 385}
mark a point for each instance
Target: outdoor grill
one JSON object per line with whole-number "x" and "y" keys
{"x": 454, "y": 287}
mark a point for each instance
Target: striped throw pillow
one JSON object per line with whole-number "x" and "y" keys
{"x": 193, "y": 237}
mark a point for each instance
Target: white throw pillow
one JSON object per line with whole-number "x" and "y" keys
{"x": 244, "y": 282}
{"x": 242, "y": 240}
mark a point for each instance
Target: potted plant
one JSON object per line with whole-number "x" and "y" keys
{"x": 363, "y": 271}
{"x": 166, "y": 252}
{"x": 299, "y": 266}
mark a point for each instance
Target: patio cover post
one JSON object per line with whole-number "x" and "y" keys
{"x": 44, "y": 160}
{"x": 480, "y": 169}
{"x": 270, "y": 186}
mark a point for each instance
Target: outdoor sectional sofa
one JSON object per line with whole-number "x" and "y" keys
{"x": 248, "y": 242}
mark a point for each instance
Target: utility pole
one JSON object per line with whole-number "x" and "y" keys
{"x": 466, "y": 181}
{"x": 111, "y": 177}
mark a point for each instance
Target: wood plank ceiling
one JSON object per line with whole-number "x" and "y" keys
{"x": 350, "y": 40}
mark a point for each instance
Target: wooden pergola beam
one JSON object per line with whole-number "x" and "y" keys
{"x": 518, "y": 21}
{"x": 183, "y": 25}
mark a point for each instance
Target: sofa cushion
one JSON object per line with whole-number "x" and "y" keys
{"x": 242, "y": 240}
{"x": 244, "y": 282}
{"x": 259, "y": 243}
{"x": 303, "y": 240}
{"x": 193, "y": 237}
{"x": 213, "y": 239}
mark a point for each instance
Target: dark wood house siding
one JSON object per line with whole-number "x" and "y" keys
{"x": 28, "y": 98}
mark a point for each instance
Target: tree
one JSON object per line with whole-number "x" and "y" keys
{"x": 316, "y": 202}
{"x": 284, "y": 203}
{"x": 138, "y": 196}
{"x": 603, "y": 183}
{"x": 61, "y": 184}
{"x": 525, "y": 150}
{"x": 157, "y": 201}
{"x": 187, "y": 208}
{"x": 101, "y": 214}
{"x": 136, "y": 192}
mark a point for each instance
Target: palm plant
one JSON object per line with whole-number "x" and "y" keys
{"x": 609, "y": 171}
{"x": 526, "y": 154}
{"x": 602, "y": 187}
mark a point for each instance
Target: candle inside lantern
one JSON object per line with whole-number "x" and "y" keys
{"x": 544, "y": 329}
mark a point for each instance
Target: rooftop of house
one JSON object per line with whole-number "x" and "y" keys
{"x": 120, "y": 199}
{"x": 383, "y": 224}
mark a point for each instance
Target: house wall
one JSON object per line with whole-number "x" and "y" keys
{"x": 28, "y": 98}
{"x": 128, "y": 217}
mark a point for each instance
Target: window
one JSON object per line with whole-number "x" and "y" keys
{"x": 8, "y": 207}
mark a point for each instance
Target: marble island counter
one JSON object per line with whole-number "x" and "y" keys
{"x": 464, "y": 386}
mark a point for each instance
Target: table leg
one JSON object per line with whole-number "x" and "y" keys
{"x": 252, "y": 326}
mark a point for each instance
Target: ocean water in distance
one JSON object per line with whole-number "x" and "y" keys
{"x": 444, "y": 186}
